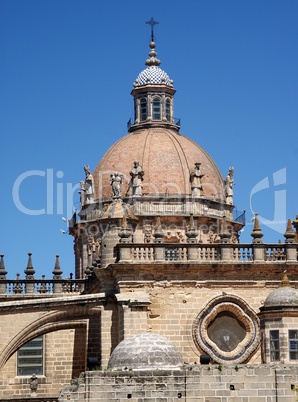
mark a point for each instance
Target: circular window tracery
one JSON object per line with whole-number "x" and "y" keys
{"x": 227, "y": 329}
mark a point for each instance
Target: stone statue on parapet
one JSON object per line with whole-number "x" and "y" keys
{"x": 116, "y": 181}
{"x": 89, "y": 185}
{"x": 195, "y": 180}
{"x": 229, "y": 184}
{"x": 136, "y": 181}
{"x": 87, "y": 188}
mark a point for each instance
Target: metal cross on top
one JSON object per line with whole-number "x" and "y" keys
{"x": 152, "y": 23}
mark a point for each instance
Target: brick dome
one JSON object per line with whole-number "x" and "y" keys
{"x": 167, "y": 159}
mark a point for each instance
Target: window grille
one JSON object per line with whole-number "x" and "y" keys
{"x": 293, "y": 344}
{"x": 274, "y": 346}
{"x": 143, "y": 109}
{"x": 168, "y": 110}
{"x": 156, "y": 109}
{"x": 30, "y": 358}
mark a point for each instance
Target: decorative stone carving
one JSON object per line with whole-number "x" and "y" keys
{"x": 229, "y": 184}
{"x": 116, "y": 181}
{"x": 227, "y": 329}
{"x": 33, "y": 384}
{"x": 148, "y": 237}
{"x": 94, "y": 249}
{"x": 136, "y": 180}
{"x": 195, "y": 180}
{"x": 87, "y": 188}
{"x": 213, "y": 237}
{"x": 174, "y": 236}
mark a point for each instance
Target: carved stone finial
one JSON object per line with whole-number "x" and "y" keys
{"x": 285, "y": 280}
{"x": 191, "y": 221}
{"x": 89, "y": 269}
{"x": 125, "y": 232}
{"x": 224, "y": 234}
{"x": 29, "y": 271}
{"x": 191, "y": 233}
{"x": 158, "y": 233}
{"x": 158, "y": 223}
{"x": 195, "y": 180}
{"x": 57, "y": 271}
{"x": 257, "y": 233}
{"x": 295, "y": 224}
{"x": 124, "y": 222}
{"x": 289, "y": 233}
{"x": 90, "y": 261}
{"x": 3, "y": 271}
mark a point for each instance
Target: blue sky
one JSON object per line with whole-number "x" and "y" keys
{"x": 67, "y": 70}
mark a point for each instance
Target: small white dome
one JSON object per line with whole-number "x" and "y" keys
{"x": 282, "y": 297}
{"x": 153, "y": 75}
{"x": 145, "y": 351}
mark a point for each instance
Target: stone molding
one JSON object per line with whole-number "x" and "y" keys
{"x": 243, "y": 313}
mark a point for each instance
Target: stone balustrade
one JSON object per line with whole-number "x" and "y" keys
{"x": 199, "y": 253}
{"x": 41, "y": 286}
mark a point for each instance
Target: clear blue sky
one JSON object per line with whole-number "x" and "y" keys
{"x": 67, "y": 68}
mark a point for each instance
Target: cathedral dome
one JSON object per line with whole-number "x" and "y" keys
{"x": 167, "y": 158}
{"x": 145, "y": 351}
{"x": 282, "y": 297}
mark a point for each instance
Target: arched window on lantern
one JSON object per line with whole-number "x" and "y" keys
{"x": 143, "y": 109}
{"x": 156, "y": 114}
{"x": 168, "y": 110}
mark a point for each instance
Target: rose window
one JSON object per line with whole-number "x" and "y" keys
{"x": 227, "y": 329}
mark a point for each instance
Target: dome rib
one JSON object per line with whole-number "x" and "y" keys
{"x": 184, "y": 164}
{"x": 146, "y": 159}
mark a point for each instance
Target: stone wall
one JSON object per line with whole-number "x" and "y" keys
{"x": 283, "y": 325}
{"x": 194, "y": 384}
{"x": 59, "y": 369}
{"x": 173, "y": 310}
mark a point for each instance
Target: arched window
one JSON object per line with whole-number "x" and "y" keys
{"x": 143, "y": 109}
{"x": 168, "y": 110}
{"x": 156, "y": 109}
